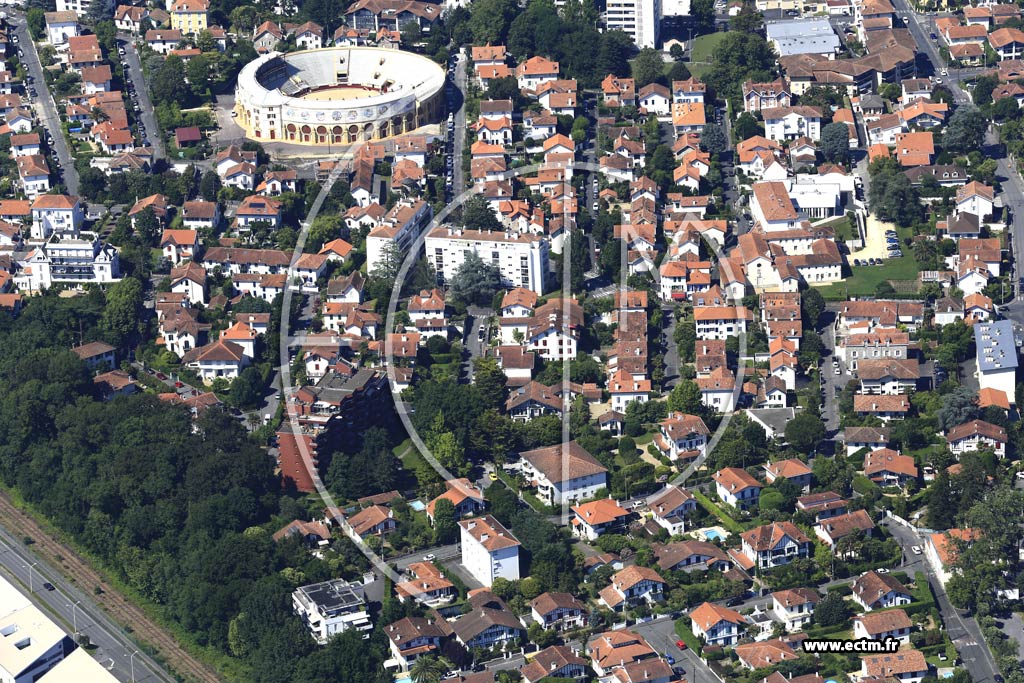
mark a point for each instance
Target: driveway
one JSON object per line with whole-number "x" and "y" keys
{"x": 45, "y": 108}
{"x": 147, "y": 115}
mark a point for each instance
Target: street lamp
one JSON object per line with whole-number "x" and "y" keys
{"x": 131, "y": 663}
{"x": 74, "y": 614}
{"x": 30, "y": 568}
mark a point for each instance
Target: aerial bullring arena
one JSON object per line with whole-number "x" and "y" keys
{"x": 338, "y": 95}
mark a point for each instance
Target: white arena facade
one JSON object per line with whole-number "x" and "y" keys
{"x": 338, "y": 95}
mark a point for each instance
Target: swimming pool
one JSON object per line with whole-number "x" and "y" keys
{"x": 713, "y": 535}
{"x": 417, "y": 506}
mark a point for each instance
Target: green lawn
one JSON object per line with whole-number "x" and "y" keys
{"x": 844, "y": 231}
{"x": 704, "y": 47}
{"x": 865, "y": 279}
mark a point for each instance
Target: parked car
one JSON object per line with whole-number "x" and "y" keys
{"x": 681, "y": 645}
{"x": 856, "y": 261}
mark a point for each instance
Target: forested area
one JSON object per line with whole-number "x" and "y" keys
{"x": 182, "y": 516}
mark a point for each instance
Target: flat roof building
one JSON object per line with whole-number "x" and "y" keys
{"x": 332, "y": 607}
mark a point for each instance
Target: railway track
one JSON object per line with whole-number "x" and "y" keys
{"x": 123, "y": 612}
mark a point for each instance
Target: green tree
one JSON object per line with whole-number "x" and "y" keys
{"x": 490, "y": 382}
{"x": 648, "y": 67}
{"x": 490, "y": 20}
{"x": 209, "y": 185}
{"x": 168, "y": 85}
{"x": 966, "y": 130}
{"x": 812, "y": 304}
{"x": 746, "y": 126}
{"x": 958, "y": 406}
{"x": 446, "y": 530}
{"x": 804, "y": 432}
{"x": 892, "y": 197}
{"x": 940, "y": 494}
{"x": 122, "y": 312}
{"x": 703, "y": 15}
{"x": 613, "y": 53}
{"x": 835, "y": 142}
{"x": 713, "y": 139}
{"x": 475, "y": 282}
{"x": 428, "y": 669}
{"x": 831, "y": 610}
{"x": 246, "y": 389}
{"x": 478, "y": 215}
{"x": 35, "y": 19}
{"x": 685, "y": 398}
{"x": 92, "y": 183}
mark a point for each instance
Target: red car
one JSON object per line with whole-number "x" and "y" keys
{"x": 161, "y": 376}
{"x": 681, "y": 645}
{"x": 179, "y": 385}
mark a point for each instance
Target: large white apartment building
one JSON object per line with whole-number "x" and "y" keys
{"x": 489, "y": 550}
{"x": 74, "y": 260}
{"x": 639, "y": 19}
{"x": 401, "y": 226}
{"x": 521, "y": 258}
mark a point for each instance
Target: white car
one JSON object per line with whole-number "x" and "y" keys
{"x": 838, "y": 371}
{"x": 429, "y": 558}
{"x": 916, "y": 549}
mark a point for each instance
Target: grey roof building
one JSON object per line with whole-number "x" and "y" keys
{"x": 813, "y": 36}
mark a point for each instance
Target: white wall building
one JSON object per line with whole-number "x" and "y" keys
{"x": 521, "y": 258}
{"x": 332, "y": 607}
{"x": 639, "y": 19}
{"x": 75, "y": 261}
{"x": 996, "y": 357}
{"x": 401, "y": 226}
{"x": 489, "y": 550}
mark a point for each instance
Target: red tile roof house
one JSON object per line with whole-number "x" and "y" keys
{"x": 179, "y": 245}
{"x": 890, "y": 623}
{"x": 906, "y": 666}
{"x": 186, "y": 137}
{"x": 632, "y": 586}
{"x": 775, "y": 544}
{"x": 795, "y": 607}
{"x": 597, "y": 517}
{"x": 557, "y": 661}
{"x": 833, "y": 530}
{"x": 737, "y": 488}
{"x": 413, "y": 637}
{"x": 792, "y": 469}
{"x": 975, "y": 435}
{"x": 717, "y": 625}
{"x": 887, "y": 467}
{"x": 558, "y": 611}
{"x": 879, "y": 591}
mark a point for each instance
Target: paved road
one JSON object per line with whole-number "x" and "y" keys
{"x": 661, "y": 635}
{"x": 440, "y": 553}
{"x": 963, "y": 631}
{"x": 113, "y": 647}
{"x": 459, "y": 143}
{"x": 45, "y": 107}
{"x": 147, "y": 115}
{"x": 671, "y": 350}
{"x": 1013, "y": 197}
{"x": 475, "y": 319}
{"x": 930, "y": 49}
{"x": 834, "y": 384}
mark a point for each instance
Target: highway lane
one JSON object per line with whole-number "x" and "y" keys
{"x": 71, "y": 606}
{"x": 45, "y": 107}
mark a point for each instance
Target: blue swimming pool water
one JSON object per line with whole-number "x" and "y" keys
{"x": 418, "y": 506}
{"x": 713, "y": 535}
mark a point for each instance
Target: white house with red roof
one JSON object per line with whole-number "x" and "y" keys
{"x": 736, "y": 487}
{"x": 717, "y": 625}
